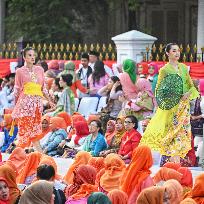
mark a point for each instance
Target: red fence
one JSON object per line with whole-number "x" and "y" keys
{"x": 196, "y": 69}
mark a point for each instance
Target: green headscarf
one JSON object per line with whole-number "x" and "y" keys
{"x": 130, "y": 68}
{"x": 69, "y": 68}
{"x": 98, "y": 198}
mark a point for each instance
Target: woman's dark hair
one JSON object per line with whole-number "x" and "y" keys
{"x": 25, "y": 50}
{"x": 44, "y": 65}
{"x": 99, "y": 71}
{"x": 45, "y": 172}
{"x": 115, "y": 79}
{"x": 56, "y": 81}
{"x": 67, "y": 78}
{"x": 99, "y": 125}
{"x": 134, "y": 120}
{"x": 169, "y": 46}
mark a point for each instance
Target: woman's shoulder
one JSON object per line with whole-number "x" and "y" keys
{"x": 39, "y": 68}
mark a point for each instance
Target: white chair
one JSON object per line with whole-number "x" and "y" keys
{"x": 88, "y": 106}
{"x": 76, "y": 100}
{"x": 102, "y": 103}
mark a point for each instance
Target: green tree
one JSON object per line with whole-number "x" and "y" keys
{"x": 37, "y": 20}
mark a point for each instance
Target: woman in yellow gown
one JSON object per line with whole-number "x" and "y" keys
{"x": 169, "y": 131}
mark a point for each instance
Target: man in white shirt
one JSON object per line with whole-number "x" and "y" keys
{"x": 83, "y": 73}
{"x": 93, "y": 57}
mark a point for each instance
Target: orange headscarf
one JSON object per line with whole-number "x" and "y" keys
{"x": 114, "y": 169}
{"x": 110, "y": 134}
{"x": 174, "y": 190}
{"x": 31, "y": 163}
{"x": 67, "y": 118}
{"x": 187, "y": 178}
{"x": 151, "y": 195}
{"x": 97, "y": 163}
{"x": 172, "y": 165}
{"x": 81, "y": 157}
{"x": 165, "y": 174}
{"x": 17, "y": 158}
{"x": 197, "y": 192}
{"x": 9, "y": 174}
{"x": 118, "y": 197}
{"x": 87, "y": 174}
{"x": 92, "y": 117}
{"x": 50, "y": 161}
{"x": 57, "y": 123}
{"x": 138, "y": 169}
{"x": 188, "y": 201}
{"x": 44, "y": 131}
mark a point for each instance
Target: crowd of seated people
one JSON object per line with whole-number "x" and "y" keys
{"x": 109, "y": 165}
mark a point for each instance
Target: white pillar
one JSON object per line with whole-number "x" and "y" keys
{"x": 132, "y": 44}
{"x": 2, "y": 18}
{"x": 200, "y": 31}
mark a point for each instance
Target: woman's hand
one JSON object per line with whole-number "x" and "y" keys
{"x": 116, "y": 84}
{"x": 52, "y": 105}
{"x": 186, "y": 96}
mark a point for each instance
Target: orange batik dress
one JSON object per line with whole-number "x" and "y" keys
{"x": 29, "y": 90}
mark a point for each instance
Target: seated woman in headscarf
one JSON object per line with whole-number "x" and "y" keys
{"x": 58, "y": 133}
{"x": 83, "y": 185}
{"x": 197, "y": 192}
{"x": 153, "y": 71}
{"x": 69, "y": 68}
{"x": 99, "y": 198}
{"x": 28, "y": 172}
{"x": 144, "y": 103}
{"x": 128, "y": 79}
{"x": 110, "y": 131}
{"x": 17, "y": 158}
{"x": 46, "y": 131}
{"x": 174, "y": 191}
{"x": 114, "y": 143}
{"x": 136, "y": 177}
{"x": 10, "y": 131}
{"x": 97, "y": 163}
{"x": 113, "y": 170}
{"x": 118, "y": 197}
{"x": 4, "y": 192}
{"x": 153, "y": 195}
{"x": 81, "y": 157}
{"x": 9, "y": 174}
{"x": 95, "y": 142}
{"x": 131, "y": 138}
{"x": 40, "y": 192}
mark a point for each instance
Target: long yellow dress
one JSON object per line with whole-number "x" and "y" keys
{"x": 169, "y": 131}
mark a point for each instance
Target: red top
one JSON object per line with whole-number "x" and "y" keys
{"x": 130, "y": 141}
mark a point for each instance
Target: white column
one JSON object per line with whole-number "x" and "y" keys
{"x": 131, "y": 45}
{"x": 200, "y": 31}
{"x": 2, "y": 18}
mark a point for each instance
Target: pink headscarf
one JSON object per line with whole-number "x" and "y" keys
{"x": 143, "y": 85}
{"x": 201, "y": 86}
{"x": 156, "y": 68}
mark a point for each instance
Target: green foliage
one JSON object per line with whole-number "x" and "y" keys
{"x": 61, "y": 20}
{"x": 40, "y": 20}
